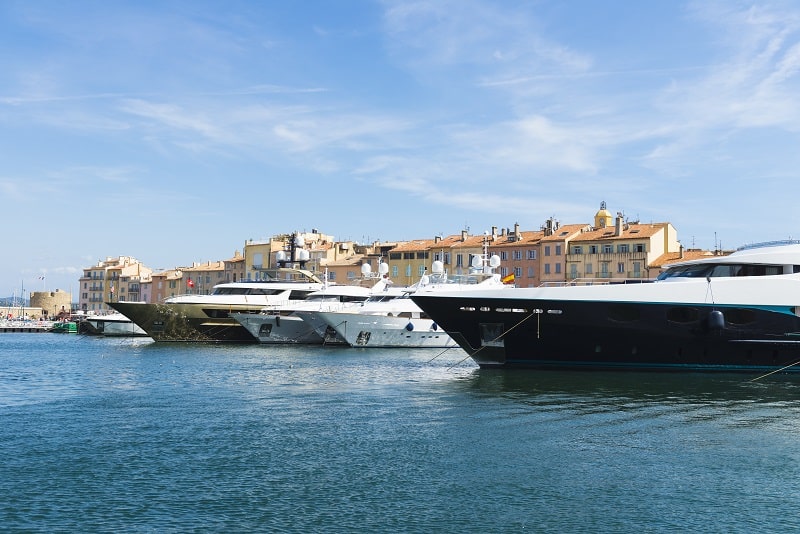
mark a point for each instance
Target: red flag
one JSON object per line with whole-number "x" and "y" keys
{"x": 190, "y": 283}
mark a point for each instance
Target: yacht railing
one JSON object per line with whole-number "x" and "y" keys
{"x": 596, "y": 282}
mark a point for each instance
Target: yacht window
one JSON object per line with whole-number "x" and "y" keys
{"x": 298, "y": 295}
{"x": 739, "y": 316}
{"x": 723, "y": 270}
{"x": 261, "y": 291}
{"x": 231, "y": 291}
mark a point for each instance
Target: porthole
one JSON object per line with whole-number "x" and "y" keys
{"x": 740, "y": 316}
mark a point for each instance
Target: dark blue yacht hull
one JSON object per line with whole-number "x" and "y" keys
{"x": 532, "y": 333}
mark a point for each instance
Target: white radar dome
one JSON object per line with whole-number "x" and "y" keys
{"x": 383, "y": 268}
{"x": 280, "y": 256}
{"x": 437, "y": 267}
{"x": 494, "y": 261}
{"x": 366, "y": 269}
{"x": 476, "y": 262}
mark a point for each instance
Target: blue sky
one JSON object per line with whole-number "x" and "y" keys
{"x": 175, "y": 131}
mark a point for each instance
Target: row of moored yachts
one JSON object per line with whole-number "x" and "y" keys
{"x": 292, "y": 305}
{"x": 737, "y": 312}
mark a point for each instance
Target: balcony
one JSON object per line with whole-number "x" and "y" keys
{"x": 608, "y": 256}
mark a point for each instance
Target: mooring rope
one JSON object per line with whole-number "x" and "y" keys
{"x": 775, "y": 371}
{"x": 496, "y": 339}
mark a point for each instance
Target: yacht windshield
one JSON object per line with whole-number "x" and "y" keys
{"x": 715, "y": 270}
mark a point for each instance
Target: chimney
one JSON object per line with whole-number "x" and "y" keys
{"x": 463, "y": 235}
{"x": 437, "y": 239}
{"x": 618, "y": 226}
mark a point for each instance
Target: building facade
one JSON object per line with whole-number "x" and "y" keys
{"x": 615, "y": 249}
{"x": 115, "y": 279}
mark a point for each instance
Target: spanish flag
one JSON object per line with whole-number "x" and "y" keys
{"x": 508, "y": 279}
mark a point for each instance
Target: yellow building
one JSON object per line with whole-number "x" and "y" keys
{"x": 616, "y": 249}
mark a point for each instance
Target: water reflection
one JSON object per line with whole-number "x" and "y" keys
{"x": 652, "y": 387}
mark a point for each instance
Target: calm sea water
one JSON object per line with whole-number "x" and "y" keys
{"x": 128, "y": 435}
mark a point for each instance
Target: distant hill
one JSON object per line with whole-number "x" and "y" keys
{"x": 5, "y": 302}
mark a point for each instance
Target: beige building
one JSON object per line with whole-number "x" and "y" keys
{"x": 235, "y": 268}
{"x": 615, "y": 249}
{"x": 311, "y": 248}
{"x": 115, "y": 279}
{"x": 346, "y": 259}
{"x": 410, "y": 260}
{"x": 339, "y": 261}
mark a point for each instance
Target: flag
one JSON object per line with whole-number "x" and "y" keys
{"x": 508, "y": 279}
{"x": 111, "y": 288}
{"x": 190, "y": 283}
{"x": 41, "y": 278}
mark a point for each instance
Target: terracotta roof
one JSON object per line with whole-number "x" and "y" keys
{"x": 529, "y": 237}
{"x": 451, "y": 241}
{"x": 691, "y": 254}
{"x": 415, "y": 245}
{"x": 565, "y": 231}
{"x": 354, "y": 260}
{"x": 210, "y": 266}
{"x": 629, "y": 231}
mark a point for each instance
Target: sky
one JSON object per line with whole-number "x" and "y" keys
{"x": 174, "y": 131}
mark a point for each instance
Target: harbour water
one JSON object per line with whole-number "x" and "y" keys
{"x": 128, "y": 435}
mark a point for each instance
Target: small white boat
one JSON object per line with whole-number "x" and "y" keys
{"x": 112, "y": 324}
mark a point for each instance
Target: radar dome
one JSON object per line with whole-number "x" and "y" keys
{"x": 383, "y": 268}
{"x": 280, "y": 256}
{"x": 437, "y": 267}
{"x": 476, "y": 262}
{"x": 494, "y": 261}
{"x": 303, "y": 255}
{"x": 365, "y": 269}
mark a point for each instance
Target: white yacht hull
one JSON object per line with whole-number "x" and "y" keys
{"x": 360, "y": 330}
{"x": 278, "y": 329}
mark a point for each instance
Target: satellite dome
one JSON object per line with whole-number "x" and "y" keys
{"x": 366, "y": 268}
{"x": 437, "y": 267}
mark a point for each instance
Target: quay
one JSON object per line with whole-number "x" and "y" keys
{"x": 29, "y": 327}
